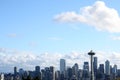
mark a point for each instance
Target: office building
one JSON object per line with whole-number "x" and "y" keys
{"x": 86, "y": 66}
{"x": 85, "y": 73}
{"x": 115, "y": 69}
{"x": 15, "y": 70}
{"x": 107, "y": 67}
{"x": 62, "y": 66}
{"x": 101, "y": 68}
{"x": 75, "y": 70}
{"x": 37, "y": 69}
{"x": 52, "y": 73}
{"x": 95, "y": 63}
{"x": 69, "y": 73}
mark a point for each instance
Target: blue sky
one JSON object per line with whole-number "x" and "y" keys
{"x": 30, "y": 25}
{"x": 62, "y": 26}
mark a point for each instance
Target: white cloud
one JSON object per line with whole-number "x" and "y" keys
{"x": 98, "y": 15}
{"x": 28, "y": 60}
{"x": 3, "y": 50}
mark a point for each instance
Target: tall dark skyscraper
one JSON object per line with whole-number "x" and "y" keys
{"x": 86, "y": 66}
{"x": 95, "y": 63}
{"x": 37, "y": 73}
{"x": 101, "y": 68}
{"x": 37, "y": 68}
{"x": 15, "y": 70}
{"x": 47, "y": 73}
{"x": 69, "y": 73}
{"x": 62, "y": 66}
{"x": 52, "y": 73}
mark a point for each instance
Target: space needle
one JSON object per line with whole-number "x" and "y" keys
{"x": 91, "y": 53}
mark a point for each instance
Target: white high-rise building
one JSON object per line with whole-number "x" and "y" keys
{"x": 62, "y": 66}
{"x": 107, "y": 67}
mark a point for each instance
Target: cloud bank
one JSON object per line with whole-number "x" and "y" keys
{"x": 97, "y": 15}
{"x": 28, "y": 60}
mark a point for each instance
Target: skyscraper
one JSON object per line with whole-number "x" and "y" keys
{"x": 47, "y": 73}
{"x": 115, "y": 69}
{"x": 95, "y": 65}
{"x": 69, "y": 73}
{"x": 15, "y": 70}
{"x": 75, "y": 70}
{"x": 107, "y": 67}
{"x": 86, "y": 66}
{"x": 101, "y": 68}
{"x": 37, "y": 68}
{"x": 62, "y": 66}
{"x": 37, "y": 73}
{"x": 57, "y": 75}
{"x": 52, "y": 73}
{"x": 85, "y": 73}
{"x": 100, "y": 73}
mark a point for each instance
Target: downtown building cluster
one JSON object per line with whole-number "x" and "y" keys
{"x": 101, "y": 72}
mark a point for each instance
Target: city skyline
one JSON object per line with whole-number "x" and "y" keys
{"x": 48, "y": 60}
{"x": 63, "y": 66}
{"x": 33, "y": 32}
{"x": 103, "y": 72}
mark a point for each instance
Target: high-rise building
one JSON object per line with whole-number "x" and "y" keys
{"x": 101, "y": 68}
{"x": 107, "y": 67}
{"x": 85, "y": 73}
{"x": 111, "y": 69}
{"x": 62, "y": 66}
{"x": 115, "y": 69}
{"x": 86, "y": 66}
{"x": 69, "y": 73}
{"x": 21, "y": 72}
{"x": 80, "y": 73}
{"x": 37, "y": 68}
{"x": 52, "y": 73}
{"x": 37, "y": 74}
{"x": 57, "y": 75}
{"x": 43, "y": 74}
{"x": 47, "y": 73}
{"x": 100, "y": 73}
{"x": 75, "y": 69}
{"x": 95, "y": 65}
{"x": 15, "y": 70}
